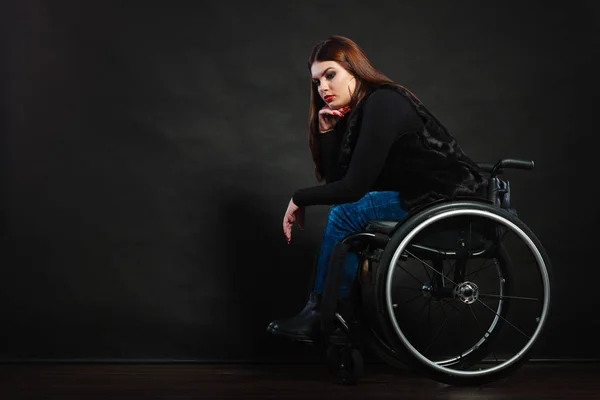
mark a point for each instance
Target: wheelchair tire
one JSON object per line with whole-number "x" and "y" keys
{"x": 463, "y": 369}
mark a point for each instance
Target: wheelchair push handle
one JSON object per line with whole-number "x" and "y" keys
{"x": 513, "y": 163}
{"x": 498, "y": 168}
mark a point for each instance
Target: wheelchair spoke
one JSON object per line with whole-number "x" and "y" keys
{"x": 461, "y": 352}
{"x": 504, "y": 319}
{"x": 423, "y": 307}
{"x": 480, "y": 269}
{"x": 455, "y": 337}
{"x": 430, "y": 267}
{"x": 415, "y": 278}
{"x": 408, "y": 288}
{"x": 412, "y": 299}
{"x": 437, "y": 333}
{"x": 449, "y": 302}
{"x": 497, "y": 296}
{"x": 427, "y": 273}
{"x": 484, "y": 332}
{"x": 487, "y": 332}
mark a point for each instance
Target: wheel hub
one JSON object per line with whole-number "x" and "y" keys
{"x": 467, "y": 292}
{"x": 427, "y": 290}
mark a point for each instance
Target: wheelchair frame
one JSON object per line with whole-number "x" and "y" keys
{"x": 384, "y": 243}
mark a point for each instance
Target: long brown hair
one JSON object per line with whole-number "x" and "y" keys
{"x": 354, "y": 60}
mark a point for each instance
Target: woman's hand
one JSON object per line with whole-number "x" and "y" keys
{"x": 292, "y": 214}
{"x": 329, "y": 117}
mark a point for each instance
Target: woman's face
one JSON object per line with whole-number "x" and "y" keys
{"x": 334, "y": 84}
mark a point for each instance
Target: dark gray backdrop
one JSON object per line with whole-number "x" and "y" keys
{"x": 149, "y": 151}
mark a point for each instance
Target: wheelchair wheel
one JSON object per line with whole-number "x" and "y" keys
{"x": 463, "y": 292}
{"x": 346, "y": 363}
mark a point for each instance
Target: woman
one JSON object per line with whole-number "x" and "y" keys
{"x": 381, "y": 153}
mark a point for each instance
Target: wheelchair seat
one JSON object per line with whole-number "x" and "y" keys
{"x": 381, "y": 226}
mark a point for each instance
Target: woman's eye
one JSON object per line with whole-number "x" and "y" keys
{"x": 330, "y": 75}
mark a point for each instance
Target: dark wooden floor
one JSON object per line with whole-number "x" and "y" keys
{"x": 193, "y": 381}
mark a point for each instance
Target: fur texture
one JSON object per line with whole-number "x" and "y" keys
{"x": 427, "y": 166}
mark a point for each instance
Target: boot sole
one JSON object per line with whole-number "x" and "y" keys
{"x": 296, "y": 338}
{"x": 306, "y": 339}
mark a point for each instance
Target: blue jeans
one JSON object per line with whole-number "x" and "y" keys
{"x": 349, "y": 218}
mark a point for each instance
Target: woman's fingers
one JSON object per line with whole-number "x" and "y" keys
{"x": 288, "y": 234}
{"x": 286, "y": 231}
{"x": 327, "y": 111}
{"x": 288, "y": 220}
{"x": 328, "y": 119}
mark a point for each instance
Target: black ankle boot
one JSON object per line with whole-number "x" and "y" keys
{"x": 305, "y": 326}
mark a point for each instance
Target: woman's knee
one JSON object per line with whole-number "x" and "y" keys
{"x": 345, "y": 217}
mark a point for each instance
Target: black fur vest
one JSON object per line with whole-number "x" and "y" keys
{"x": 423, "y": 166}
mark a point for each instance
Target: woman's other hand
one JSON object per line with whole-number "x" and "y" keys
{"x": 292, "y": 214}
{"x": 329, "y": 117}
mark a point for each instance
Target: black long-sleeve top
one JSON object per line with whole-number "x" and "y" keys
{"x": 329, "y": 146}
{"x": 387, "y": 116}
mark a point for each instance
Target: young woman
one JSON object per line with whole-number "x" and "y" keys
{"x": 381, "y": 153}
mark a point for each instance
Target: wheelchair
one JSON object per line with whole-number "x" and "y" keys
{"x": 458, "y": 291}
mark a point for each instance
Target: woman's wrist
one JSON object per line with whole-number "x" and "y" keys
{"x": 327, "y": 131}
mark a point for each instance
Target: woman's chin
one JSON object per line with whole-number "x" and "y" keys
{"x": 336, "y": 106}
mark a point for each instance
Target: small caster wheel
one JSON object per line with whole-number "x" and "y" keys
{"x": 346, "y": 363}
{"x": 333, "y": 359}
